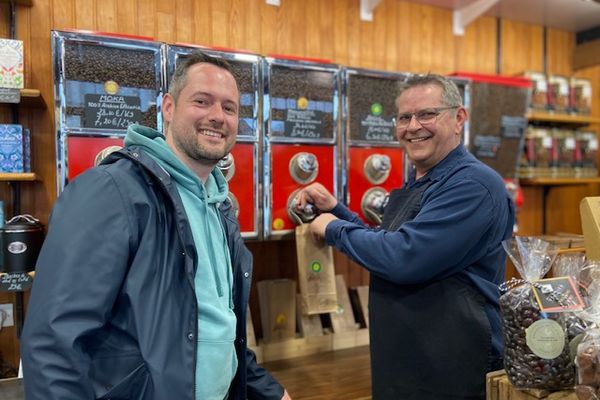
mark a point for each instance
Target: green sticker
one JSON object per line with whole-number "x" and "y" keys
{"x": 315, "y": 266}
{"x": 376, "y": 109}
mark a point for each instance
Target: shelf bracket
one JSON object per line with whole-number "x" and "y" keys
{"x": 464, "y": 16}
{"x": 276, "y": 3}
{"x": 366, "y": 9}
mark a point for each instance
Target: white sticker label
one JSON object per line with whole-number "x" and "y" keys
{"x": 545, "y": 338}
{"x": 547, "y": 142}
{"x": 570, "y": 143}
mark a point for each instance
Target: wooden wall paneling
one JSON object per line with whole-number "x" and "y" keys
{"x": 560, "y": 46}
{"x": 253, "y": 32}
{"x": 4, "y": 16}
{"x": 382, "y": 18}
{"x": 326, "y": 31}
{"x": 421, "y": 37}
{"x": 367, "y": 45}
{"x": 290, "y": 26}
{"x": 165, "y": 22}
{"x": 63, "y": 14}
{"x": 85, "y": 15}
{"x": 147, "y": 18}
{"x": 563, "y": 208}
{"x": 312, "y": 29}
{"x": 476, "y": 50}
{"x": 237, "y": 24}
{"x": 268, "y": 24}
{"x": 522, "y": 47}
{"x": 184, "y": 21}
{"x": 126, "y": 17}
{"x": 529, "y": 216}
{"x": 403, "y": 36}
{"x": 165, "y": 27}
{"x": 354, "y": 34}
{"x": 593, "y": 74}
{"x": 106, "y": 16}
{"x": 444, "y": 43}
{"x": 340, "y": 32}
{"x": 389, "y": 38}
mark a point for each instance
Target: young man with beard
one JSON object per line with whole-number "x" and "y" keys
{"x": 143, "y": 280}
{"x": 436, "y": 261}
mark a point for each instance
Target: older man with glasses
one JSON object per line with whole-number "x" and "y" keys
{"x": 436, "y": 261}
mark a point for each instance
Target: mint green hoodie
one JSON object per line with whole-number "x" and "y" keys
{"x": 216, "y": 361}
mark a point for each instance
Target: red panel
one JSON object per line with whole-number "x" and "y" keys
{"x": 283, "y": 185}
{"x": 81, "y": 152}
{"x": 243, "y": 186}
{"x": 358, "y": 183}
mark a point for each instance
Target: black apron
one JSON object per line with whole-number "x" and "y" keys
{"x": 429, "y": 341}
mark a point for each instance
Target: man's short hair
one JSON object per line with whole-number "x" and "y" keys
{"x": 450, "y": 94}
{"x": 178, "y": 80}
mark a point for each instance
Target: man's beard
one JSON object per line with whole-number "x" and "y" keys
{"x": 191, "y": 146}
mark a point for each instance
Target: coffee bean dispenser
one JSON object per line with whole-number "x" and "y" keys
{"x": 300, "y": 106}
{"x": 240, "y": 167}
{"x": 374, "y": 161}
{"x": 102, "y": 83}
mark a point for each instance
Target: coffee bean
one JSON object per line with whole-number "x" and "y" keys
{"x": 129, "y": 68}
{"x": 294, "y": 83}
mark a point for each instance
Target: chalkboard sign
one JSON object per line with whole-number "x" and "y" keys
{"x": 15, "y": 282}
{"x": 111, "y": 111}
{"x": 377, "y": 129}
{"x": 557, "y": 294}
{"x": 306, "y": 124}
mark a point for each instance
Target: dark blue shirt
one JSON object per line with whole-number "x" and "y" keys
{"x": 465, "y": 214}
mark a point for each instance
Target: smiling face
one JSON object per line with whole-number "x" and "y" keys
{"x": 427, "y": 145}
{"x": 202, "y": 123}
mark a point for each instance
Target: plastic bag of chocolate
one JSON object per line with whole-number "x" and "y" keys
{"x": 536, "y": 354}
{"x": 576, "y": 266}
{"x": 587, "y": 359}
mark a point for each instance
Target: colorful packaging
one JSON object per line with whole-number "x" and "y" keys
{"x": 11, "y": 148}
{"x": 11, "y": 64}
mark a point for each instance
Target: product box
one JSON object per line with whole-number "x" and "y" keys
{"x": 26, "y": 150}
{"x": 11, "y": 64}
{"x": 11, "y": 148}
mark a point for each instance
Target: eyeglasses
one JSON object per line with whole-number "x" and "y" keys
{"x": 425, "y": 117}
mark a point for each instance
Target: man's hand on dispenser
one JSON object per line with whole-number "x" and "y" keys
{"x": 319, "y": 224}
{"x": 316, "y": 194}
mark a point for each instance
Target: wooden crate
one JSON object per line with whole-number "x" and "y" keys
{"x": 498, "y": 387}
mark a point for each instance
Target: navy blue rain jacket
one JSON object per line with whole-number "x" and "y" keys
{"x": 113, "y": 312}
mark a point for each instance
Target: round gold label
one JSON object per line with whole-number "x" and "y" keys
{"x": 111, "y": 87}
{"x": 545, "y": 338}
{"x": 302, "y": 103}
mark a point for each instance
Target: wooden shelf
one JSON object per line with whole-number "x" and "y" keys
{"x": 32, "y": 98}
{"x": 557, "y": 181}
{"x": 563, "y": 118}
{"x": 26, "y": 176}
